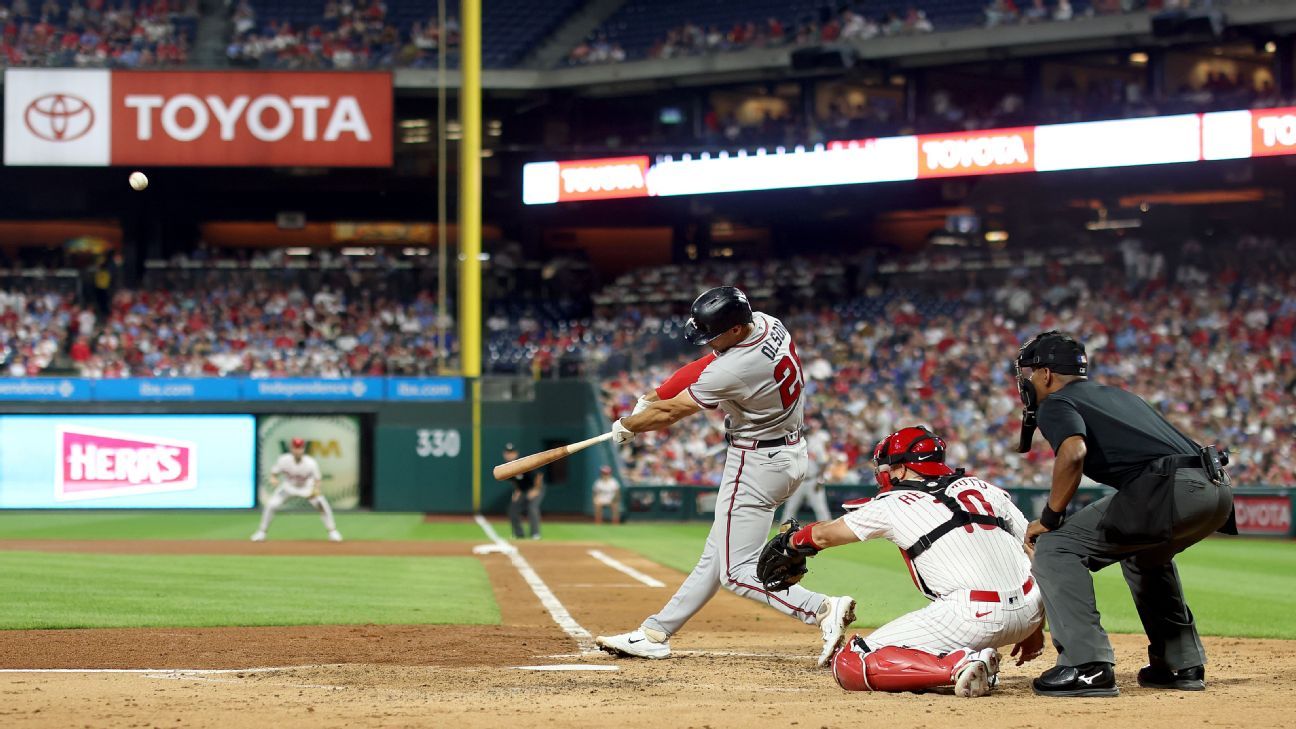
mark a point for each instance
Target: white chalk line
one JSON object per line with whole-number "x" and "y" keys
{"x": 604, "y": 585}
{"x": 177, "y": 671}
{"x": 583, "y": 639}
{"x": 626, "y": 569}
{"x": 715, "y": 654}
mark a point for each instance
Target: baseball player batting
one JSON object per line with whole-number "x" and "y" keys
{"x": 301, "y": 478}
{"x": 962, "y": 541}
{"x": 753, "y": 375}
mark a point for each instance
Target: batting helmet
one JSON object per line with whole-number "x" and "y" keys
{"x": 919, "y": 449}
{"x": 715, "y": 312}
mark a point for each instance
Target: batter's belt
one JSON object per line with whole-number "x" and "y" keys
{"x": 752, "y": 444}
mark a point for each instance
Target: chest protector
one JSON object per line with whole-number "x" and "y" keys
{"x": 959, "y": 517}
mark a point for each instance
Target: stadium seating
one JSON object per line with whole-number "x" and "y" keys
{"x": 640, "y": 26}
{"x": 97, "y": 33}
{"x": 512, "y": 28}
{"x": 884, "y": 342}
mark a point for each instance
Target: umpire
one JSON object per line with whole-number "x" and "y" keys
{"x": 528, "y": 490}
{"x": 1170, "y": 494}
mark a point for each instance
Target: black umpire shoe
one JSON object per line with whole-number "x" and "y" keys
{"x": 1185, "y": 679}
{"x": 1089, "y": 679}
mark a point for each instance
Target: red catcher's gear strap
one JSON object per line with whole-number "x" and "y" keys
{"x": 683, "y": 377}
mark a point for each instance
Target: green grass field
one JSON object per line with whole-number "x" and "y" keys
{"x": 1236, "y": 587}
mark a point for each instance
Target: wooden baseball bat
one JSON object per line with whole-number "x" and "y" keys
{"x": 521, "y": 465}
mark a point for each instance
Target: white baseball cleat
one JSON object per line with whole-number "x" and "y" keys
{"x": 259, "y": 536}
{"x": 335, "y": 536}
{"x": 833, "y": 624}
{"x": 978, "y": 674}
{"x": 635, "y": 644}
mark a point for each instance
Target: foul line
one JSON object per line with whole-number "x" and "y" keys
{"x": 626, "y": 569}
{"x": 556, "y": 610}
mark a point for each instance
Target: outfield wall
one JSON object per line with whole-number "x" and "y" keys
{"x": 411, "y": 449}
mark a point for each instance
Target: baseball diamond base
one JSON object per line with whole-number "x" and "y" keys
{"x": 736, "y": 664}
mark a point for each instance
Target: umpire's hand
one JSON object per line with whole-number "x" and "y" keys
{"x": 1034, "y": 530}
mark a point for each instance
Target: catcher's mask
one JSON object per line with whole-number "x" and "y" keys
{"x": 919, "y": 449}
{"x": 1051, "y": 350}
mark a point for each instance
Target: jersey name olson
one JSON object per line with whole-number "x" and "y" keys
{"x": 775, "y": 341}
{"x": 268, "y": 117}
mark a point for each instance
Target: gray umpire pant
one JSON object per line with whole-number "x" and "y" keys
{"x": 1064, "y": 557}
{"x": 528, "y": 501}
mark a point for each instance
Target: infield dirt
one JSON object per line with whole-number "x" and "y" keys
{"x": 737, "y": 664}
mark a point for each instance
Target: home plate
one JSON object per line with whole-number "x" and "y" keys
{"x": 494, "y": 549}
{"x": 570, "y": 667}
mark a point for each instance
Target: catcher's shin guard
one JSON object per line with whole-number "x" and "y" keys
{"x": 892, "y": 668}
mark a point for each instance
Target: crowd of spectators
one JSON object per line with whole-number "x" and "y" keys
{"x": 97, "y": 33}
{"x": 690, "y": 39}
{"x": 1213, "y": 352}
{"x": 1206, "y": 334}
{"x": 351, "y": 34}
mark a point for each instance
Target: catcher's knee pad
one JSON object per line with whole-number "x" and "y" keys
{"x": 892, "y": 668}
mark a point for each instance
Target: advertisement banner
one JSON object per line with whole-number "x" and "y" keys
{"x": 126, "y": 461}
{"x": 179, "y": 388}
{"x": 427, "y": 389}
{"x": 1267, "y": 515}
{"x": 332, "y": 440}
{"x": 44, "y": 389}
{"x": 305, "y": 388}
{"x": 177, "y": 118}
{"x": 976, "y": 153}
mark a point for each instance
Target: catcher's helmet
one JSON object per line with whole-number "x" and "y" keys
{"x": 715, "y": 312}
{"x": 919, "y": 449}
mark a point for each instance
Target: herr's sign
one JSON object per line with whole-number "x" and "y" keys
{"x": 92, "y": 118}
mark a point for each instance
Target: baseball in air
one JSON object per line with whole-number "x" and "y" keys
{"x": 138, "y": 181}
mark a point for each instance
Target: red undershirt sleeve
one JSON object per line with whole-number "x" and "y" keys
{"x": 683, "y": 377}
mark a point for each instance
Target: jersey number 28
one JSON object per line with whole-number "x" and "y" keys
{"x": 787, "y": 373}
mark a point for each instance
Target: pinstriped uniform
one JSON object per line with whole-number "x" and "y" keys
{"x": 958, "y": 572}
{"x": 759, "y": 386}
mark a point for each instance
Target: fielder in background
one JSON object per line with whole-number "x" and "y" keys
{"x": 961, "y": 539}
{"x": 607, "y": 495}
{"x": 301, "y": 478}
{"x": 813, "y": 488}
{"x": 528, "y": 491}
{"x": 1171, "y": 493}
{"x": 753, "y": 375}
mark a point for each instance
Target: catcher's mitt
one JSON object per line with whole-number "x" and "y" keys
{"x": 782, "y": 565}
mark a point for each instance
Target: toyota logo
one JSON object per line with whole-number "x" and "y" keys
{"x": 59, "y": 117}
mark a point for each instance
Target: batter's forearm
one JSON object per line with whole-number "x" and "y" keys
{"x": 659, "y": 415}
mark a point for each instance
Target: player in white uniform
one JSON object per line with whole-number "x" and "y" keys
{"x": 754, "y": 377}
{"x": 961, "y": 539}
{"x": 813, "y": 488}
{"x": 301, "y": 478}
{"x": 607, "y": 494}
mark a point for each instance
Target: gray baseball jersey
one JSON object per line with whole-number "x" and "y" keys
{"x": 757, "y": 383}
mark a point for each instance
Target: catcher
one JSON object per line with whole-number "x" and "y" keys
{"x": 961, "y": 540}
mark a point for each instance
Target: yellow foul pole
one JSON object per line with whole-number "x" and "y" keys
{"x": 470, "y": 214}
